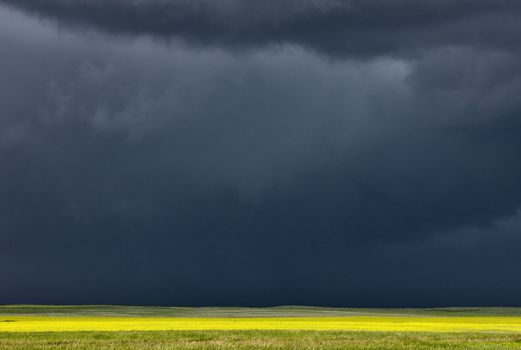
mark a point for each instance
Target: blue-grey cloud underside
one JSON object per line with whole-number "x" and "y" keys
{"x": 356, "y": 153}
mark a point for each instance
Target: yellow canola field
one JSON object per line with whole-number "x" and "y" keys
{"x": 358, "y": 323}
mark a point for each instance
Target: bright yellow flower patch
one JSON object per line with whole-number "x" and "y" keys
{"x": 359, "y": 323}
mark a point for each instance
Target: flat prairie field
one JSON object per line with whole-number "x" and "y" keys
{"x": 119, "y": 327}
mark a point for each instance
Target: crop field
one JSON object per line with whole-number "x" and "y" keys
{"x": 118, "y": 327}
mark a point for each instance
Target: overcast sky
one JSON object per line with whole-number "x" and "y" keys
{"x": 260, "y": 152}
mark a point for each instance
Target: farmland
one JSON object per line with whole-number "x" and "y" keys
{"x": 118, "y": 327}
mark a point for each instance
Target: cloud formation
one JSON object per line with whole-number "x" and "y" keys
{"x": 332, "y": 27}
{"x": 387, "y": 176}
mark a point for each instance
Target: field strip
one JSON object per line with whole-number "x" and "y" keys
{"x": 355, "y": 323}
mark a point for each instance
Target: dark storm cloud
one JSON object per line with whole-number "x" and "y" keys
{"x": 337, "y": 27}
{"x": 138, "y": 172}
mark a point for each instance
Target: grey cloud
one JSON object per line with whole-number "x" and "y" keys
{"x": 270, "y": 176}
{"x": 333, "y": 27}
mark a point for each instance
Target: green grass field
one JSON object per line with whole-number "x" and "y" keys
{"x": 119, "y": 327}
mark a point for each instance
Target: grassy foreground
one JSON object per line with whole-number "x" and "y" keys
{"x": 112, "y": 327}
{"x": 258, "y": 340}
